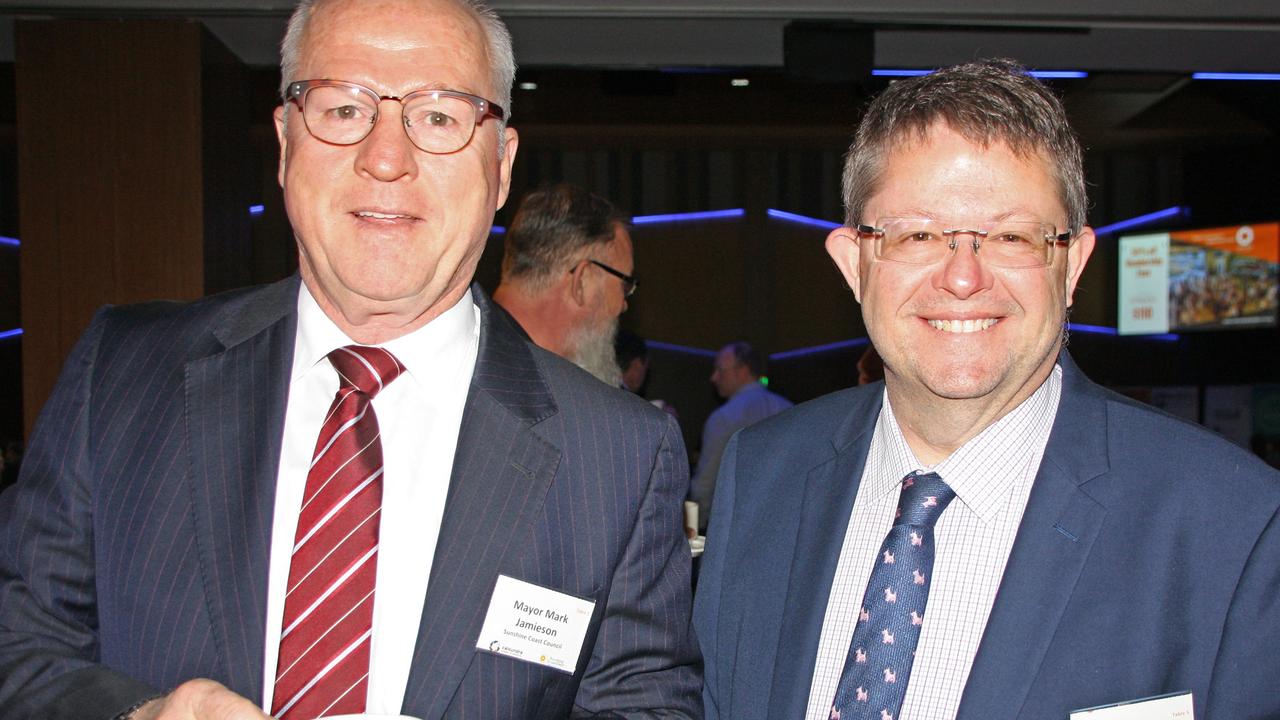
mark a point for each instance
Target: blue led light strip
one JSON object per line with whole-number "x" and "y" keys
{"x": 6, "y": 334}
{"x": 680, "y": 217}
{"x": 683, "y": 349}
{"x": 894, "y": 72}
{"x": 10, "y": 242}
{"x": 1042, "y": 74}
{"x": 257, "y": 209}
{"x": 801, "y": 219}
{"x": 1234, "y": 76}
{"x": 497, "y": 230}
{"x": 1104, "y": 330}
{"x": 816, "y": 349}
{"x": 1177, "y": 211}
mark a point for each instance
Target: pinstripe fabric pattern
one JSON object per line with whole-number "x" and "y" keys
{"x": 133, "y": 550}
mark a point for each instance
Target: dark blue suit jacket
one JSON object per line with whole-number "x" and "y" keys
{"x": 1147, "y": 562}
{"x": 134, "y": 548}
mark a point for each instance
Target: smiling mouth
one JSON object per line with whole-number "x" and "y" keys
{"x": 962, "y": 326}
{"x": 369, "y": 214}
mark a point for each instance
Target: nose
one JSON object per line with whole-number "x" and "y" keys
{"x": 962, "y": 274}
{"x": 387, "y": 154}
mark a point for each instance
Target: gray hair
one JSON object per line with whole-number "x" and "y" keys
{"x": 553, "y": 229}
{"x": 501, "y": 54}
{"x": 987, "y": 101}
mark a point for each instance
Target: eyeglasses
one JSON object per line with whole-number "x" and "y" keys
{"x": 1006, "y": 244}
{"x": 344, "y": 113}
{"x": 629, "y": 282}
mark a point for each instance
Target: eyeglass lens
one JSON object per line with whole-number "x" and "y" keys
{"x": 1012, "y": 244}
{"x": 436, "y": 122}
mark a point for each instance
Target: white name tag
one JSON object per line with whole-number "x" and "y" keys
{"x": 1174, "y": 706}
{"x": 535, "y": 624}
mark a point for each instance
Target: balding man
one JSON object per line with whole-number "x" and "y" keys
{"x": 567, "y": 273}
{"x": 362, "y": 490}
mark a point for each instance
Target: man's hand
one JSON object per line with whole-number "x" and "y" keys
{"x": 199, "y": 700}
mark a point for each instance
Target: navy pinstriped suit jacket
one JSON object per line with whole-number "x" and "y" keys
{"x": 1147, "y": 562}
{"x": 133, "y": 553}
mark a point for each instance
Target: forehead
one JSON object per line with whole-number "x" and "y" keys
{"x": 395, "y": 46}
{"x": 942, "y": 173}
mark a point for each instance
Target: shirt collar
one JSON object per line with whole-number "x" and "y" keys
{"x": 745, "y": 388}
{"x": 421, "y": 351}
{"x": 984, "y": 469}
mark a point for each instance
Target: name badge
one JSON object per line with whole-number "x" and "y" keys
{"x": 1174, "y": 706}
{"x": 535, "y": 624}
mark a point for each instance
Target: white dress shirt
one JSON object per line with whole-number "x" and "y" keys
{"x": 992, "y": 476}
{"x": 419, "y": 416}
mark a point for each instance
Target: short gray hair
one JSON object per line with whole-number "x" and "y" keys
{"x": 987, "y": 101}
{"x": 501, "y": 54}
{"x": 553, "y": 229}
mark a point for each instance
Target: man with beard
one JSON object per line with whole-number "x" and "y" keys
{"x": 567, "y": 274}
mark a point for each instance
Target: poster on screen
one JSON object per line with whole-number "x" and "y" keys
{"x": 1216, "y": 278}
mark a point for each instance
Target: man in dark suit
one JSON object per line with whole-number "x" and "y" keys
{"x": 180, "y": 540}
{"x": 1072, "y": 548}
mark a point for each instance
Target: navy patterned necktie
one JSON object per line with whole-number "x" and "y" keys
{"x": 878, "y": 666}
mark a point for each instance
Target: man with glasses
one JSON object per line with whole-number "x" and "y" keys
{"x": 567, "y": 272}
{"x": 362, "y": 490}
{"x": 987, "y": 533}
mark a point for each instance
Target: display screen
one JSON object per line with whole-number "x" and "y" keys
{"x": 1211, "y": 279}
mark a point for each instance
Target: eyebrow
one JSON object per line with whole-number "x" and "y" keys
{"x": 1014, "y": 214}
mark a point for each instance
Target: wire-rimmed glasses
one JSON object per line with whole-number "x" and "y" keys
{"x": 1006, "y": 244}
{"x": 344, "y": 113}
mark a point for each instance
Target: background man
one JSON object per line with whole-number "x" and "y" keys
{"x": 210, "y": 481}
{"x": 567, "y": 272}
{"x": 736, "y": 376}
{"x": 632, "y": 354}
{"x": 1133, "y": 554}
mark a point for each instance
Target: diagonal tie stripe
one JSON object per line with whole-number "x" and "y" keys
{"x": 874, "y": 680}
{"x": 323, "y": 666}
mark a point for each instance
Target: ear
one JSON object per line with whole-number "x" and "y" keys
{"x": 284, "y": 141}
{"x": 510, "y": 142}
{"x": 1077, "y": 256}
{"x": 845, "y": 248}
{"x": 577, "y": 286}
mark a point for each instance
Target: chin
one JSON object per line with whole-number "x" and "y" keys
{"x": 961, "y": 383}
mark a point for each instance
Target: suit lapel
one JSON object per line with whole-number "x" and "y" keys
{"x": 1053, "y": 543}
{"x": 830, "y": 489}
{"x": 501, "y": 473}
{"x": 235, "y": 418}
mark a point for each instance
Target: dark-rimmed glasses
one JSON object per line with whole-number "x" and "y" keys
{"x": 1006, "y": 244}
{"x": 629, "y": 282}
{"x": 344, "y": 113}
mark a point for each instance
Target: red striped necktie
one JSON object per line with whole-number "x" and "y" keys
{"x": 328, "y": 609}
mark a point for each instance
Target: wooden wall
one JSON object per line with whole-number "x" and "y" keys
{"x": 117, "y": 193}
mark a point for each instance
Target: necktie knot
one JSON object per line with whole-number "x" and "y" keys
{"x": 924, "y": 496}
{"x": 368, "y": 369}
